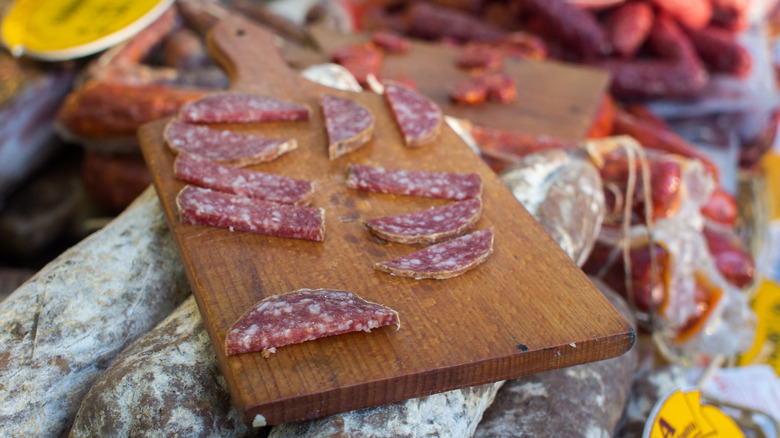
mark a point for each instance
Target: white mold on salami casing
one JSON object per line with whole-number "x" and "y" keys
{"x": 63, "y": 327}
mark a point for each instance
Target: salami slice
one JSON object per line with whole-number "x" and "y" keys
{"x": 304, "y": 315}
{"x": 349, "y": 124}
{"x": 241, "y": 108}
{"x": 201, "y": 206}
{"x": 428, "y": 226}
{"x": 259, "y": 185}
{"x": 390, "y": 41}
{"x": 418, "y": 118}
{"x": 439, "y": 185}
{"x": 226, "y": 147}
{"x": 443, "y": 260}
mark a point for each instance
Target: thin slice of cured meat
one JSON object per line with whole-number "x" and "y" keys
{"x": 349, "y": 125}
{"x": 428, "y": 226}
{"x": 443, "y": 260}
{"x": 439, "y": 185}
{"x": 242, "y": 108}
{"x": 200, "y": 206}
{"x": 226, "y": 147}
{"x": 418, "y": 118}
{"x": 265, "y": 186}
{"x": 304, "y": 315}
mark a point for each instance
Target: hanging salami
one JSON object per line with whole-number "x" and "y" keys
{"x": 226, "y": 147}
{"x": 241, "y": 108}
{"x": 259, "y": 185}
{"x": 428, "y": 226}
{"x": 443, "y": 260}
{"x": 418, "y": 118}
{"x": 304, "y": 315}
{"x": 349, "y": 125}
{"x": 439, "y": 185}
{"x": 201, "y": 206}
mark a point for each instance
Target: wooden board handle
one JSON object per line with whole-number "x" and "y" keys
{"x": 244, "y": 63}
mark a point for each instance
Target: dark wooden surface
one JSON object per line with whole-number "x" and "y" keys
{"x": 527, "y": 309}
{"x": 552, "y": 98}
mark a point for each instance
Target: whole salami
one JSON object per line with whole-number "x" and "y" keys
{"x": 62, "y": 328}
{"x": 135, "y": 396}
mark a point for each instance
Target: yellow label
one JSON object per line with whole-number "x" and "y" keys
{"x": 770, "y": 166}
{"x": 681, "y": 415}
{"x": 66, "y": 29}
{"x": 766, "y": 347}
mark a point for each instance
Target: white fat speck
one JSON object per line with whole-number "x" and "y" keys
{"x": 314, "y": 308}
{"x": 438, "y": 218}
{"x": 415, "y": 262}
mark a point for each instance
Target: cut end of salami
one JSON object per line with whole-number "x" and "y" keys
{"x": 242, "y": 108}
{"x": 304, "y": 315}
{"x": 428, "y": 226}
{"x": 438, "y": 185}
{"x": 418, "y": 118}
{"x": 443, "y": 260}
{"x": 201, "y": 206}
{"x": 259, "y": 185}
{"x": 225, "y": 147}
{"x": 349, "y": 125}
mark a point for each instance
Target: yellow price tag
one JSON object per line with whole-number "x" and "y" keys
{"x": 766, "y": 347}
{"x": 681, "y": 415}
{"x": 56, "y": 30}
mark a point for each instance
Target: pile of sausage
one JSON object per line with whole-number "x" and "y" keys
{"x": 653, "y": 48}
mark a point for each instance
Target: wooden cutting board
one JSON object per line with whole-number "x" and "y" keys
{"x": 527, "y": 309}
{"x": 552, "y": 98}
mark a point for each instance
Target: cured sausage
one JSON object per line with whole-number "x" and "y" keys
{"x": 56, "y": 338}
{"x": 304, "y": 315}
{"x": 440, "y": 185}
{"x": 480, "y": 56}
{"x": 573, "y": 27}
{"x": 428, "y": 226}
{"x": 468, "y": 91}
{"x": 361, "y": 60}
{"x": 692, "y": 13}
{"x": 390, "y": 42}
{"x": 241, "y": 108}
{"x": 443, "y": 260}
{"x": 628, "y": 27}
{"x": 244, "y": 182}
{"x": 433, "y": 22}
{"x": 226, "y": 147}
{"x": 349, "y": 125}
{"x": 720, "y": 52}
{"x": 201, "y": 206}
{"x": 418, "y": 118}
{"x": 500, "y": 86}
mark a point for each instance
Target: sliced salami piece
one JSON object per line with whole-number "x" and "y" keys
{"x": 201, "y": 206}
{"x": 418, "y": 118}
{"x": 226, "y": 147}
{"x": 439, "y": 185}
{"x": 443, "y": 260}
{"x": 259, "y": 185}
{"x": 390, "y": 41}
{"x": 304, "y": 315}
{"x": 349, "y": 124}
{"x": 242, "y": 108}
{"x": 428, "y": 226}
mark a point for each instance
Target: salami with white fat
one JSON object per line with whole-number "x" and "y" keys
{"x": 443, "y": 260}
{"x": 226, "y": 147}
{"x": 349, "y": 125}
{"x": 439, "y": 185}
{"x": 241, "y": 108}
{"x": 304, "y": 315}
{"x": 259, "y": 185}
{"x": 428, "y": 226}
{"x": 418, "y": 118}
{"x": 200, "y": 206}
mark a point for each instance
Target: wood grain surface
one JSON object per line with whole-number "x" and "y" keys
{"x": 527, "y": 309}
{"x": 552, "y": 98}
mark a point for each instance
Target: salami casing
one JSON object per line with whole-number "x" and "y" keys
{"x": 244, "y": 182}
{"x": 349, "y": 125}
{"x": 63, "y": 327}
{"x": 241, "y": 108}
{"x": 167, "y": 383}
{"x": 428, "y": 226}
{"x": 439, "y": 185}
{"x": 201, "y": 206}
{"x": 226, "y": 147}
{"x": 418, "y": 118}
{"x": 304, "y": 315}
{"x": 443, "y": 260}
